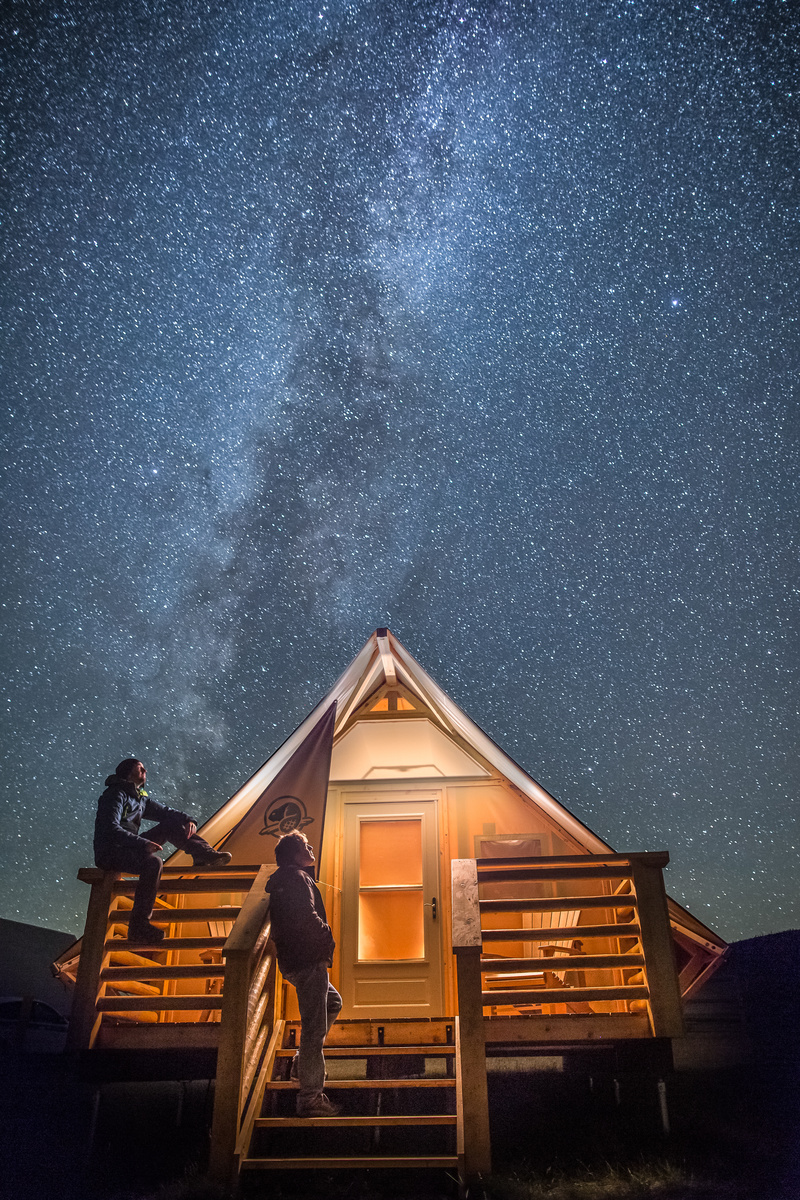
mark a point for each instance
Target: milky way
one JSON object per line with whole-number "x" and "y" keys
{"x": 472, "y": 320}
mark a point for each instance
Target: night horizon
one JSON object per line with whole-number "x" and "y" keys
{"x": 476, "y": 321}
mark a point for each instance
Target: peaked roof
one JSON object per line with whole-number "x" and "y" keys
{"x": 383, "y": 660}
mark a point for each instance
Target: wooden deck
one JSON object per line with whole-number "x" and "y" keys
{"x": 573, "y": 953}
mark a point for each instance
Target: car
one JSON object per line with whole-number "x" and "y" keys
{"x": 44, "y": 1031}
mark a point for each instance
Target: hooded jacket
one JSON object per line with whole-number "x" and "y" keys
{"x": 120, "y": 811}
{"x": 300, "y": 929}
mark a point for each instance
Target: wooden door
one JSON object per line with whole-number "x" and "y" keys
{"x": 391, "y": 957}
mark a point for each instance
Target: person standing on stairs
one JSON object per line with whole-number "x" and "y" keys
{"x": 118, "y": 845}
{"x": 305, "y": 948}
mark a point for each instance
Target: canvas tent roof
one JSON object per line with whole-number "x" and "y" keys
{"x": 384, "y": 660}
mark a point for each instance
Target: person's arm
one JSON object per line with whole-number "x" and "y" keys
{"x": 154, "y": 811}
{"x": 110, "y": 811}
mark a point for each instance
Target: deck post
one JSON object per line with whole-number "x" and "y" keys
{"x": 666, "y": 1015}
{"x": 223, "y": 1167}
{"x": 84, "y": 1018}
{"x": 474, "y": 1147}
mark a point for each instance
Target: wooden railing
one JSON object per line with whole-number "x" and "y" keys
{"x": 620, "y": 906}
{"x": 635, "y": 959}
{"x": 247, "y": 1034}
{"x": 146, "y": 981}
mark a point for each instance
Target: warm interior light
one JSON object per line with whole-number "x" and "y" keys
{"x": 391, "y": 854}
{"x": 390, "y": 904}
{"x": 390, "y": 925}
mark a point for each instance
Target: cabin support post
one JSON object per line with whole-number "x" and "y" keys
{"x": 223, "y": 1165}
{"x": 474, "y": 1146}
{"x": 664, "y": 1005}
{"x": 84, "y": 1019}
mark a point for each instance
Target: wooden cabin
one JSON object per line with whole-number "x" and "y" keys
{"x": 473, "y": 914}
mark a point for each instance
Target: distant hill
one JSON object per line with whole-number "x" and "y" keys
{"x": 767, "y": 971}
{"x": 26, "y": 952}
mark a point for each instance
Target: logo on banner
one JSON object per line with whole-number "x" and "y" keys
{"x": 284, "y": 815}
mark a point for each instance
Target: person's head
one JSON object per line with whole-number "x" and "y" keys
{"x": 293, "y": 850}
{"x": 132, "y": 771}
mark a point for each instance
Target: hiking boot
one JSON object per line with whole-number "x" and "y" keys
{"x": 321, "y": 1107}
{"x": 214, "y": 858}
{"x": 143, "y": 931}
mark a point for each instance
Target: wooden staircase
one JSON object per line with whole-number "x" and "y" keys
{"x": 396, "y": 1082}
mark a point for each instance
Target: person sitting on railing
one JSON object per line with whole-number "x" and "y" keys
{"x": 118, "y": 845}
{"x": 305, "y": 948}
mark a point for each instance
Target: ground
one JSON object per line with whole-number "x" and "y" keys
{"x": 735, "y": 1136}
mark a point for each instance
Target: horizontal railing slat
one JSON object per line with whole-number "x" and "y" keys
{"x": 560, "y": 935}
{"x": 578, "y": 962}
{"x": 180, "y": 887}
{"x": 177, "y": 943}
{"x": 563, "y": 995}
{"x": 157, "y": 1003}
{"x": 556, "y": 904}
{"x": 176, "y": 916}
{"x": 176, "y": 972}
{"x": 550, "y": 874}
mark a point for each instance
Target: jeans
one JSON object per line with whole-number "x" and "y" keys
{"x": 134, "y": 858}
{"x": 319, "y": 1004}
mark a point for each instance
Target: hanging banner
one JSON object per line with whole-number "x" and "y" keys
{"x": 295, "y": 799}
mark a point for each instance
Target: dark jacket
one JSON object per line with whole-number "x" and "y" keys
{"x": 120, "y": 811}
{"x": 300, "y": 929}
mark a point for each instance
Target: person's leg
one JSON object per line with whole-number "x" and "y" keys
{"x": 135, "y": 860}
{"x": 146, "y": 889}
{"x": 202, "y": 854}
{"x": 334, "y": 1006}
{"x": 311, "y": 985}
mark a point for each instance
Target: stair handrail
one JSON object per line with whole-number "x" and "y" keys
{"x": 248, "y": 1016}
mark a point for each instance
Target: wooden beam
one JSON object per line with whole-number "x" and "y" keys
{"x": 556, "y": 874}
{"x": 177, "y": 943}
{"x": 555, "y": 903}
{"x": 576, "y": 962}
{"x": 185, "y": 887}
{"x": 157, "y": 1003}
{"x": 84, "y": 1021}
{"x": 145, "y": 973}
{"x": 177, "y": 916}
{"x": 658, "y": 949}
{"x": 568, "y": 934}
{"x": 562, "y": 995}
{"x": 527, "y": 1031}
{"x": 246, "y": 940}
{"x": 376, "y": 1162}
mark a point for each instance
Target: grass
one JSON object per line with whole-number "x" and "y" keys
{"x": 659, "y": 1179}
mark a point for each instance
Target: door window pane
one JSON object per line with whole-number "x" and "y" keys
{"x": 391, "y": 854}
{"x": 390, "y": 925}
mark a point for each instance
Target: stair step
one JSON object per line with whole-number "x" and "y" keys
{"x": 176, "y": 943}
{"x": 353, "y": 1122}
{"x": 281, "y": 1085}
{"x": 373, "y": 1162}
{"x": 437, "y": 1051}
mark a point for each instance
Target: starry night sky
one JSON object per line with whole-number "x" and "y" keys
{"x": 476, "y": 320}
